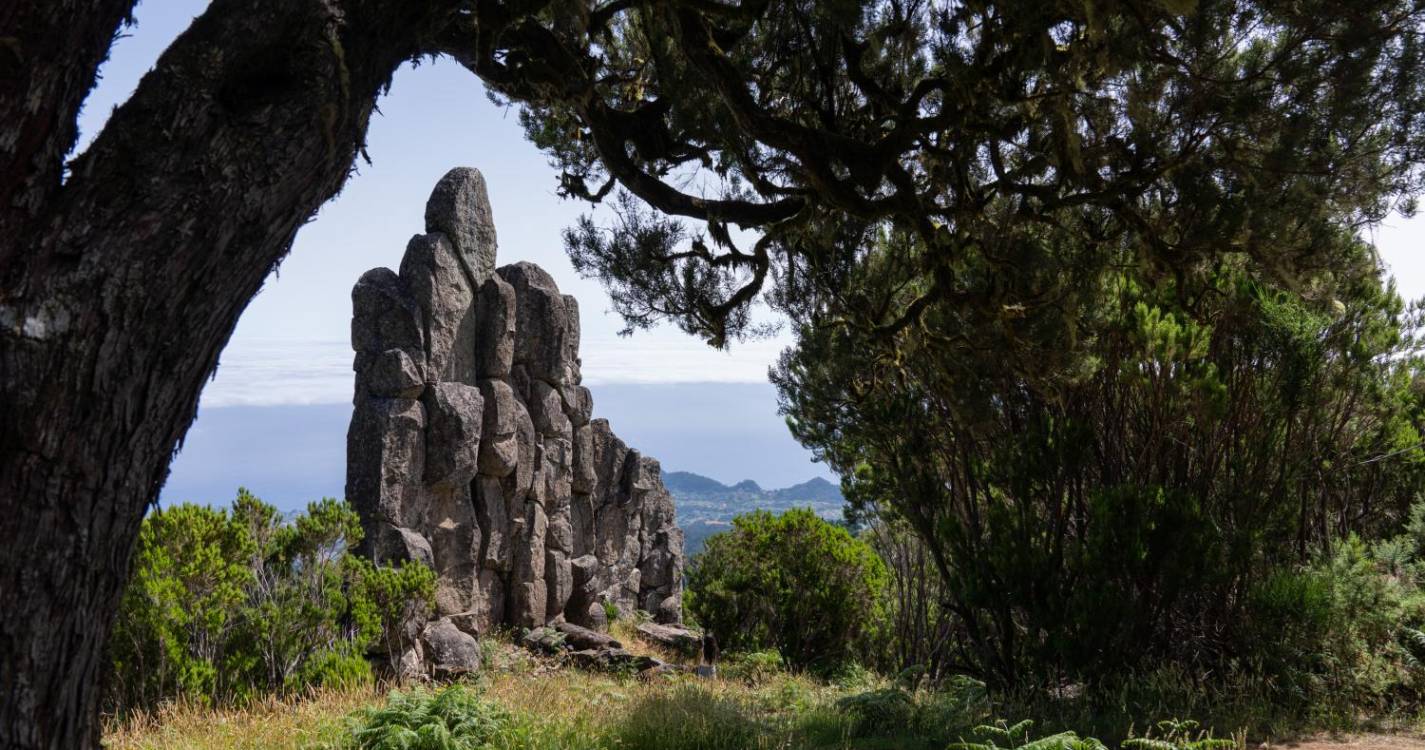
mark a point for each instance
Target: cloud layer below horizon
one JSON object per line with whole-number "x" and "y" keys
{"x": 274, "y": 372}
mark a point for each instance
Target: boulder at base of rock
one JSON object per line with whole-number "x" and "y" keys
{"x": 678, "y": 639}
{"x": 450, "y": 651}
{"x": 583, "y": 638}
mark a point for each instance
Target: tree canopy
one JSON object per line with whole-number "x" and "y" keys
{"x": 976, "y": 136}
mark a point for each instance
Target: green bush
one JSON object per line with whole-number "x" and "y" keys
{"x": 878, "y": 712}
{"x": 1334, "y": 635}
{"x": 224, "y": 605}
{"x": 752, "y": 667}
{"x": 793, "y": 582}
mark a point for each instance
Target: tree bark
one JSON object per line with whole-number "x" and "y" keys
{"x": 120, "y": 286}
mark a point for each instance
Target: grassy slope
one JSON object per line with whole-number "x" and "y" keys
{"x": 554, "y": 707}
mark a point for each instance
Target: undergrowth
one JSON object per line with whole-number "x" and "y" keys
{"x": 526, "y": 703}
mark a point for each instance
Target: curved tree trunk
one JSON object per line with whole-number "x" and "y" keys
{"x": 119, "y": 287}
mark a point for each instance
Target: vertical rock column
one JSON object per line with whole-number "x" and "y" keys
{"x": 471, "y": 445}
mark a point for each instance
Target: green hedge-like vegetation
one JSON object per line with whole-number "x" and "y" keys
{"x": 228, "y": 604}
{"x": 791, "y": 582}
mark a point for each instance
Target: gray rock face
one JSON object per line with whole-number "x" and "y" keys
{"x": 472, "y": 446}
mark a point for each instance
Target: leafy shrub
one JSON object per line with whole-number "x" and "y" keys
{"x": 877, "y": 712}
{"x": 1188, "y": 437}
{"x": 1336, "y": 634}
{"x": 752, "y": 667}
{"x": 454, "y": 718}
{"x": 793, "y": 582}
{"x": 342, "y": 668}
{"x": 224, "y": 605}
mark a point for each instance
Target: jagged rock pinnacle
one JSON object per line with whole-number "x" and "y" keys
{"x": 471, "y": 446}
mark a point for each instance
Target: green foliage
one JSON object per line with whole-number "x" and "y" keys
{"x": 688, "y": 718}
{"x": 793, "y": 582}
{"x": 1004, "y": 736}
{"x": 878, "y": 712}
{"x": 1205, "y": 432}
{"x": 1171, "y": 734}
{"x": 1340, "y": 634}
{"x": 226, "y": 605}
{"x": 455, "y": 718}
{"x": 819, "y": 127}
{"x": 1179, "y": 734}
{"x": 752, "y": 667}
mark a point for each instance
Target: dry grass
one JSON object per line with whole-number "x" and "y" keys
{"x": 299, "y": 722}
{"x": 556, "y": 709}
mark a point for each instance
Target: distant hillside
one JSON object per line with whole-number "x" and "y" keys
{"x": 679, "y": 482}
{"x": 816, "y": 490}
{"x": 707, "y": 506}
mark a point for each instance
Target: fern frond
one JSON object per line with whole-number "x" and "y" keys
{"x": 1148, "y": 743}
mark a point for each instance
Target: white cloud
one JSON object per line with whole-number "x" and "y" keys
{"x": 268, "y": 372}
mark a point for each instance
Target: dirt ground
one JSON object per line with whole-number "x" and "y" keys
{"x": 1404, "y": 741}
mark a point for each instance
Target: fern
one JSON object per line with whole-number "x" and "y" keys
{"x": 452, "y": 719}
{"x": 1173, "y": 734}
{"x": 1016, "y": 737}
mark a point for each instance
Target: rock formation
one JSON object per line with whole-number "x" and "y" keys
{"x": 472, "y": 448}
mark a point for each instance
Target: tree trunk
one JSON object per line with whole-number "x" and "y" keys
{"x": 119, "y": 287}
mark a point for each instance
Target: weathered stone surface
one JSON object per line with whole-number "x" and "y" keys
{"x": 578, "y": 405}
{"x": 595, "y": 617}
{"x": 546, "y": 409}
{"x": 450, "y": 651}
{"x": 529, "y": 603}
{"x": 393, "y": 374}
{"x": 384, "y": 316}
{"x": 571, "y": 362}
{"x": 411, "y": 664}
{"x": 454, "y": 421}
{"x": 558, "y": 582}
{"x": 579, "y": 637}
{"x": 432, "y": 274}
{"x": 543, "y": 327}
{"x": 544, "y": 640}
{"x": 612, "y": 659}
{"x": 468, "y": 622}
{"x": 585, "y": 475}
{"x": 385, "y": 448}
{"x": 455, "y": 547}
{"x": 472, "y": 449}
{"x": 495, "y": 346}
{"x": 671, "y": 637}
{"x": 391, "y": 544}
{"x": 459, "y": 208}
{"x": 669, "y": 611}
{"x": 500, "y": 448}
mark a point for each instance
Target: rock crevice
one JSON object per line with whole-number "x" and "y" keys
{"x": 472, "y": 446}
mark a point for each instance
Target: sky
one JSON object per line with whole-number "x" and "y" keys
{"x": 274, "y": 416}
